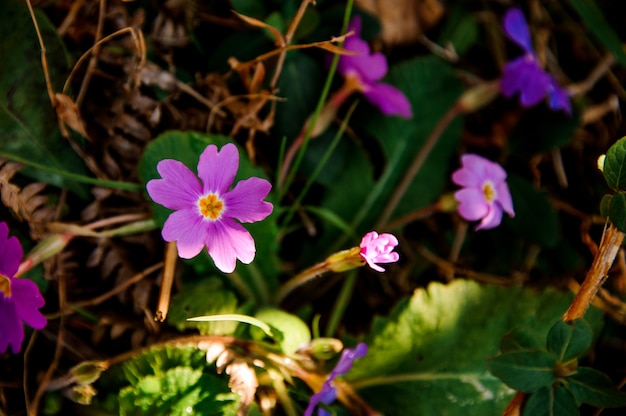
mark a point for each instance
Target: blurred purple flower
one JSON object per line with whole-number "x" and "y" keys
{"x": 20, "y": 299}
{"x": 485, "y": 194}
{"x": 328, "y": 392}
{"x": 367, "y": 69}
{"x": 524, "y": 74}
{"x": 205, "y": 212}
{"x": 378, "y": 249}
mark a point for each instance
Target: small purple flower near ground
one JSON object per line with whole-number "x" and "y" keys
{"x": 367, "y": 69}
{"x": 378, "y": 249}
{"x": 20, "y": 299}
{"x": 328, "y": 392}
{"x": 205, "y": 210}
{"x": 485, "y": 194}
{"x": 524, "y": 74}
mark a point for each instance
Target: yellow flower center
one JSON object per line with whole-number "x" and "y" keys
{"x": 5, "y": 286}
{"x": 211, "y": 206}
{"x": 489, "y": 191}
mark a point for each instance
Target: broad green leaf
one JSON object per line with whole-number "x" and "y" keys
{"x": 595, "y": 388}
{"x": 615, "y": 165}
{"x": 551, "y": 401}
{"x": 617, "y": 211}
{"x": 28, "y": 122}
{"x": 158, "y": 361}
{"x": 261, "y": 276}
{"x": 295, "y": 333}
{"x": 520, "y": 338}
{"x": 591, "y": 14}
{"x": 535, "y": 219}
{"x": 461, "y": 29}
{"x": 249, "y": 8}
{"x": 524, "y": 370}
{"x": 205, "y": 296}
{"x": 540, "y": 131}
{"x": 429, "y": 356}
{"x": 568, "y": 340}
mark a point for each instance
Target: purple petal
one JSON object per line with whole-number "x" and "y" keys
{"x": 504, "y": 198}
{"x": 326, "y": 395}
{"x": 390, "y": 100}
{"x": 189, "y": 229}
{"x": 476, "y": 170}
{"x": 229, "y": 241}
{"x": 28, "y": 300}
{"x": 492, "y": 219}
{"x": 348, "y": 355}
{"x": 355, "y": 26}
{"x": 10, "y": 252}
{"x": 245, "y": 201}
{"x": 368, "y": 66}
{"x": 217, "y": 170}
{"x": 179, "y": 187}
{"x": 11, "y": 329}
{"x": 524, "y": 76}
{"x": 559, "y": 98}
{"x": 516, "y": 28}
{"x": 472, "y": 203}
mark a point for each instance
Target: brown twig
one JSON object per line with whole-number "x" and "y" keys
{"x": 171, "y": 258}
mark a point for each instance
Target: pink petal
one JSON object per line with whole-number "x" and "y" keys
{"x": 28, "y": 300}
{"x": 217, "y": 170}
{"x": 10, "y": 252}
{"x": 390, "y": 100}
{"x": 189, "y": 229}
{"x": 179, "y": 187}
{"x": 492, "y": 219}
{"x": 11, "y": 328}
{"x": 504, "y": 198}
{"x": 472, "y": 204}
{"x": 245, "y": 201}
{"x": 229, "y": 241}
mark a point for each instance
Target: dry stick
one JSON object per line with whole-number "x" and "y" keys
{"x": 171, "y": 258}
{"x": 44, "y": 60}
{"x": 94, "y": 56}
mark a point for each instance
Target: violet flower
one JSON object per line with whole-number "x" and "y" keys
{"x": 524, "y": 74}
{"x": 367, "y": 69}
{"x": 378, "y": 249}
{"x": 485, "y": 194}
{"x": 328, "y": 392}
{"x": 205, "y": 211}
{"x": 20, "y": 299}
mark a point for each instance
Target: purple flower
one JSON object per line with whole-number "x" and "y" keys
{"x": 485, "y": 193}
{"x": 524, "y": 74}
{"x": 378, "y": 249}
{"x": 205, "y": 212}
{"x": 20, "y": 299}
{"x": 328, "y": 392}
{"x": 367, "y": 69}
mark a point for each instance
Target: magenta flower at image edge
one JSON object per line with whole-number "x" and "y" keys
{"x": 377, "y": 248}
{"x": 485, "y": 194}
{"x": 367, "y": 69}
{"x": 205, "y": 210}
{"x": 20, "y": 299}
{"x": 524, "y": 74}
{"x": 328, "y": 392}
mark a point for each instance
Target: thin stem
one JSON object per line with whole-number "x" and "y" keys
{"x": 341, "y": 304}
{"x": 44, "y": 60}
{"x": 299, "y": 280}
{"x": 165, "y": 292}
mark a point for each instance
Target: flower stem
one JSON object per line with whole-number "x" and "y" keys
{"x": 300, "y": 279}
{"x": 341, "y": 304}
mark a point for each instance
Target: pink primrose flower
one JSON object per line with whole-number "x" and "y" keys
{"x": 378, "y": 249}
{"x": 205, "y": 209}
{"x": 367, "y": 69}
{"x": 485, "y": 194}
{"x": 20, "y": 299}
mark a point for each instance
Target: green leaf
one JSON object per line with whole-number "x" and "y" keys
{"x": 591, "y": 14}
{"x": 296, "y": 333}
{"x": 551, "y": 401}
{"x": 261, "y": 276}
{"x": 615, "y": 165}
{"x": 617, "y": 211}
{"x": 28, "y": 122}
{"x": 568, "y": 340}
{"x": 605, "y": 205}
{"x": 206, "y": 296}
{"x": 535, "y": 219}
{"x": 540, "y": 131}
{"x": 525, "y": 370}
{"x": 595, "y": 388}
{"x": 429, "y": 356}
{"x": 520, "y": 338}
{"x": 461, "y": 29}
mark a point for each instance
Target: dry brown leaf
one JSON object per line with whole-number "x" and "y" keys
{"x": 68, "y": 115}
{"x": 242, "y": 381}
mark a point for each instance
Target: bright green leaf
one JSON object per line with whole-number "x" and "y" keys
{"x": 551, "y": 401}
{"x": 525, "y": 370}
{"x": 615, "y": 165}
{"x": 296, "y": 333}
{"x": 568, "y": 340}
{"x": 595, "y": 388}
